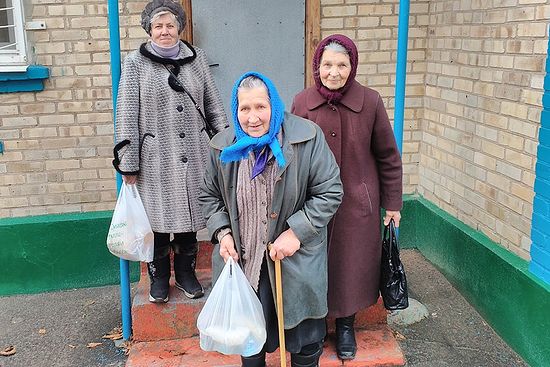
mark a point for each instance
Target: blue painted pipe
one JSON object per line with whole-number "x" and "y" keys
{"x": 114, "y": 43}
{"x": 401, "y": 71}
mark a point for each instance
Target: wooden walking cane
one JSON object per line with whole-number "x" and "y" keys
{"x": 280, "y": 314}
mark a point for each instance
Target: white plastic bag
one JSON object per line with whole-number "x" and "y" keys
{"x": 232, "y": 320}
{"x": 130, "y": 235}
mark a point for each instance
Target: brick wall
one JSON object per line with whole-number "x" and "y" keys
{"x": 474, "y": 87}
{"x": 482, "y": 107}
{"x": 58, "y": 143}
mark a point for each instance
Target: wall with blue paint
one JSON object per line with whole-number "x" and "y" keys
{"x": 540, "y": 229}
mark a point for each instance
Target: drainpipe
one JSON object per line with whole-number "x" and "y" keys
{"x": 401, "y": 71}
{"x": 114, "y": 43}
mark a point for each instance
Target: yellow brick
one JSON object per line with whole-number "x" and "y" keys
{"x": 519, "y": 159}
{"x": 75, "y": 107}
{"x": 88, "y": 22}
{"x": 532, "y": 29}
{"x": 36, "y": 132}
{"x": 514, "y": 109}
{"x": 492, "y": 149}
{"x": 529, "y": 63}
{"x": 327, "y": 23}
{"x": 339, "y": 11}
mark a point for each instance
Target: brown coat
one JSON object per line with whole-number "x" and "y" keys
{"x": 359, "y": 134}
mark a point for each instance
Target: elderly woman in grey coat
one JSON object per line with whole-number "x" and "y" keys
{"x": 162, "y": 146}
{"x": 272, "y": 179}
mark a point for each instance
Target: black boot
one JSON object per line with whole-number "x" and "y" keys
{"x": 184, "y": 268}
{"x": 159, "y": 275}
{"x": 308, "y": 357}
{"x": 346, "y": 346}
{"x": 257, "y": 360}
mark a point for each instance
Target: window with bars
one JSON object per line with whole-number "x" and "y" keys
{"x": 13, "y": 55}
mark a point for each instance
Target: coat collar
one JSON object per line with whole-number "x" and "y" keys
{"x": 352, "y": 99}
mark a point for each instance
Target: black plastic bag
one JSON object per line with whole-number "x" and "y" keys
{"x": 393, "y": 282}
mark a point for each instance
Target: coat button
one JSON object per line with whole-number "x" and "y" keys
{"x": 182, "y": 135}
{"x": 184, "y": 159}
{"x": 179, "y": 108}
{"x": 273, "y": 215}
{"x": 332, "y": 133}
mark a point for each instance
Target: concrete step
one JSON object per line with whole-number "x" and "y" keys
{"x": 376, "y": 347}
{"x": 177, "y": 318}
{"x": 173, "y": 320}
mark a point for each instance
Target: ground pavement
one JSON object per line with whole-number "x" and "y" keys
{"x": 54, "y": 329}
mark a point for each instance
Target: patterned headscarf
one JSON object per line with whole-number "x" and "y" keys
{"x": 245, "y": 143}
{"x": 334, "y": 95}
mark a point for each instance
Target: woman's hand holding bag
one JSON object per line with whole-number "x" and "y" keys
{"x": 130, "y": 235}
{"x": 232, "y": 319}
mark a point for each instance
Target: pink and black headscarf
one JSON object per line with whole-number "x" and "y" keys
{"x": 334, "y": 96}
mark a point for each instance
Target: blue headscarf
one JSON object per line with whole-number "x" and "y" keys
{"x": 245, "y": 143}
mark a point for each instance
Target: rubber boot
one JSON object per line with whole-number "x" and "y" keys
{"x": 159, "y": 275}
{"x": 257, "y": 360}
{"x": 308, "y": 357}
{"x": 346, "y": 346}
{"x": 185, "y": 257}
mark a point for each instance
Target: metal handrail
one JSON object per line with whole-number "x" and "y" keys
{"x": 114, "y": 43}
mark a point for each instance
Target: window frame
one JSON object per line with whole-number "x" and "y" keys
{"x": 16, "y": 60}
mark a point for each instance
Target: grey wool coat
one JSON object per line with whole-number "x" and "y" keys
{"x": 359, "y": 134}
{"x": 167, "y": 149}
{"x": 306, "y": 195}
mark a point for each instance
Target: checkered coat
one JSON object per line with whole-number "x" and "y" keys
{"x": 167, "y": 148}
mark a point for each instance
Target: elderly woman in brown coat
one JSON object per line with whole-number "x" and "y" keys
{"x": 358, "y": 131}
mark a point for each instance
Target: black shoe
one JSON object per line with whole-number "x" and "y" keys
{"x": 189, "y": 285}
{"x": 159, "y": 275}
{"x": 257, "y": 360}
{"x": 308, "y": 357}
{"x": 346, "y": 346}
{"x": 186, "y": 279}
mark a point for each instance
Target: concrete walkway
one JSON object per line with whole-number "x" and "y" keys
{"x": 54, "y": 329}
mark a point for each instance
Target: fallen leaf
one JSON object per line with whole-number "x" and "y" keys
{"x": 93, "y": 345}
{"x": 8, "y": 351}
{"x": 398, "y": 335}
{"x": 72, "y": 346}
{"x": 42, "y": 331}
{"x": 114, "y": 334}
{"x": 89, "y": 302}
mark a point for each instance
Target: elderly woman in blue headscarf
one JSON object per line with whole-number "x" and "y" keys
{"x": 272, "y": 179}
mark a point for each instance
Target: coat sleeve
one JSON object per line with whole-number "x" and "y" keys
{"x": 127, "y": 116}
{"x": 213, "y": 105}
{"x": 324, "y": 192}
{"x": 388, "y": 160}
{"x": 211, "y": 198}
